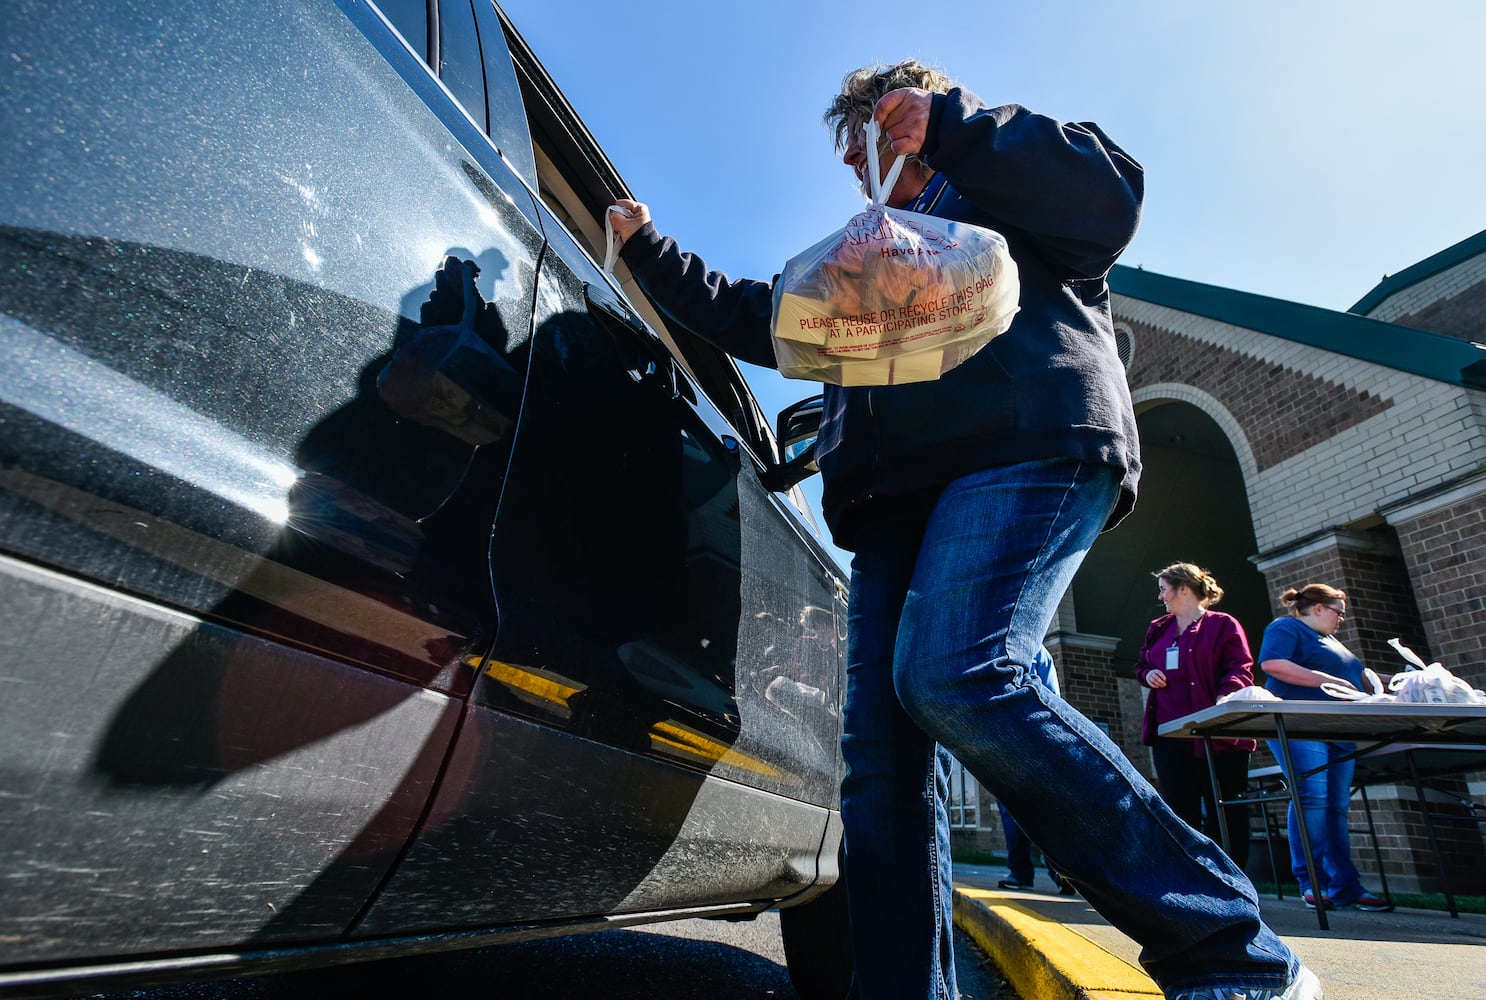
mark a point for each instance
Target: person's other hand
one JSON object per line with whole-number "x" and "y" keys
{"x": 445, "y": 305}
{"x": 627, "y": 225}
{"x": 904, "y": 117}
{"x": 1156, "y": 679}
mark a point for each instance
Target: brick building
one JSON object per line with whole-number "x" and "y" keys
{"x": 1285, "y": 444}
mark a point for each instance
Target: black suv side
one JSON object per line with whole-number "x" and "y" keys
{"x": 336, "y": 620}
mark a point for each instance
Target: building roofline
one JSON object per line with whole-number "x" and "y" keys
{"x": 1413, "y": 274}
{"x": 1419, "y": 352}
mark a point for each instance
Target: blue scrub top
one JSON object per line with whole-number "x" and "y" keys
{"x": 1294, "y": 640}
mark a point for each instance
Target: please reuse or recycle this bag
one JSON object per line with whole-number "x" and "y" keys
{"x": 893, "y": 297}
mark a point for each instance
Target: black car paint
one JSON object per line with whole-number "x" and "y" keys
{"x": 283, "y": 672}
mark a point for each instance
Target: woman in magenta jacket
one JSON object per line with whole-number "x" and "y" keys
{"x": 1191, "y": 657}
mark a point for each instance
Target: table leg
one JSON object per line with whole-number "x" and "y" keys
{"x": 1372, "y": 832}
{"x": 1305, "y": 837}
{"x": 1212, "y": 773}
{"x": 1271, "y": 828}
{"x": 1434, "y": 843}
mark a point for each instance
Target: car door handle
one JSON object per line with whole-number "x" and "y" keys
{"x": 602, "y": 309}
{"x": 653, "y": 373}
{"x": 653, "y": 362}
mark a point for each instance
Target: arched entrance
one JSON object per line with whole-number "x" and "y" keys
{"x": 1193, "y": 507}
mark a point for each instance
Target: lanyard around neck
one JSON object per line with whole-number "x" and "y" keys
{"x": 928, "y": 198}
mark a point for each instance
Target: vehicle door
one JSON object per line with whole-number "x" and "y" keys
{"x": 657, "y": 724}
{"x": 237, "y": 611}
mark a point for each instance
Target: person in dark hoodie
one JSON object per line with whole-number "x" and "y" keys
{"x": 969, "y": 503}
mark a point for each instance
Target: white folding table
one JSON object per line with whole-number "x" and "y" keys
{"x": 1373, "y": 726}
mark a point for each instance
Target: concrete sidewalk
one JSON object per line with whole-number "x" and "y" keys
{"x": 1054, "y": 947}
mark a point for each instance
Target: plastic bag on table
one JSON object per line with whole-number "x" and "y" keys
{"x": 1434, "y": 685}
{"x": 1421, "y": 684}
{"x": 1251, "y": 693}
{"x": 894, "y": 296}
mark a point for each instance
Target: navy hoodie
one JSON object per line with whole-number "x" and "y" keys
{"x": 1067, "y": 200}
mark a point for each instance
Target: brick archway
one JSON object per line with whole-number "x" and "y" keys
{"x": 1193, "y": 507}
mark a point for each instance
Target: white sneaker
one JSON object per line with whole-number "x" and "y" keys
{"x": 1305, "y": 986}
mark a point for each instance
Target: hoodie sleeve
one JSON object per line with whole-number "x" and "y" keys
{"x": 1067, "y": 187}
{"x": 733, "y": 315}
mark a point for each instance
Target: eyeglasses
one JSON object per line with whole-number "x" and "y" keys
{"x": 1340, "y": 614}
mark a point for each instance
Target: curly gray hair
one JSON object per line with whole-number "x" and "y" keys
{"x": 861, "y": 89}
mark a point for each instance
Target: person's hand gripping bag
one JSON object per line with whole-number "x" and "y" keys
{"x": 893, "y": 297}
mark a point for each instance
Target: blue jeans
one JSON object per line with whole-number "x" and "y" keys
{"x": 1018, "y": 844}
{"x": 1018, "y": 849}
{"x": 952, "y": 594}
{"x": 1325, "y": 798}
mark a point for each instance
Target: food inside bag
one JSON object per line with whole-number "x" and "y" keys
{"x": 893, "y": 297}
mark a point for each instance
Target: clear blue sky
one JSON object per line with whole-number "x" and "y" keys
{"x": 1295, "y": 148}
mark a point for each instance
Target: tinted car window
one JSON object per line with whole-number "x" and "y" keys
{"x": 508, "y": 128}
{"x": 410, "y": 18}
{"x": 460, "y": 65}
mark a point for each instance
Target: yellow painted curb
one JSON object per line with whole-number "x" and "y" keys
{"x": 1041, "y": 958}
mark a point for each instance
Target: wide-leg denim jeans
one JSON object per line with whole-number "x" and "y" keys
{"x": 1325, "y": 800}
{"x": 952, "y": 595}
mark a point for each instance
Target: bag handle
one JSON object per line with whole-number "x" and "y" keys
{"x": 884, "y": 187}
{"x": 611, "y": 252}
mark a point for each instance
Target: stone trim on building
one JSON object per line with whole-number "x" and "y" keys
{"x": 1315, "y": 467}
{"x": 1155, "y": 393}
{"x": 1282, "y": 410}
{"x": 1463, "y": 315}
{"x": 1451, "y": 301}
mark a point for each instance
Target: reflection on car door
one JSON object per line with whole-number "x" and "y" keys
{"x": 605, "y": 767}
{"x": 233, "y": 648}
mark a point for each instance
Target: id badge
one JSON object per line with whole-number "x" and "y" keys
{"x": 1171, "y": 655}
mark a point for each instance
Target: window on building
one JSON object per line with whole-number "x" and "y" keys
{"x": 964, "y": 798}
{"x": 1125, "y": 344}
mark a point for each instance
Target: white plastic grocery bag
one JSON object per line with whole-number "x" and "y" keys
{"x": 893, "y": 297}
